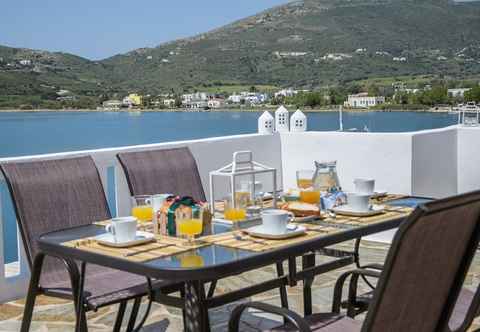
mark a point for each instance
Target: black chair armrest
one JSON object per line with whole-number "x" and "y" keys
{"x": 234, "y": 322}
{"x": 373, "y": 267}
{"x": 337, "y": 292}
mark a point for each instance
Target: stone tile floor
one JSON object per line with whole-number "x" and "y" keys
{"x": 57, "y": 315}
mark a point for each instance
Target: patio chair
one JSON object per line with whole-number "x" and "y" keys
{"x": 467, "y": 306}
{"x": 171, "y": 171}
{"x": 58, "y": 194}
{"x": 419, "y": 285}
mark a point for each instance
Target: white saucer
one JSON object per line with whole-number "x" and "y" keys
{"x": 108, "y": 239}
{"x": 379, "y": 193}
{"x": 260, "y": 231}
{"x": 349, "y": 211}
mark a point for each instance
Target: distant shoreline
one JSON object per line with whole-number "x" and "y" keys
{"x": 271, "y": 109}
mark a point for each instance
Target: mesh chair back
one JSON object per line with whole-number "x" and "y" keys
{"x": 426, "y": 267}
{"x": 171, "y": 171}
{"x": 52, "y": 195}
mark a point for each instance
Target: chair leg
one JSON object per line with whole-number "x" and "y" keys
{"x": 133, "y": 314}
{"x": 282, "y": 289}
{"x": 81, "y": 324}
{"x": 32, "y": 293}
{"x": 120, "y": 314}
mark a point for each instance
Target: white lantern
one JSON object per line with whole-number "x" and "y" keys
{"x": 281, "y": 120}
{"x": 265, "y": 123}
{"x": 298, "y": 122}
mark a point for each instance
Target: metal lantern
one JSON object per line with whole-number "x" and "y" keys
{"x": 242, "y": 166}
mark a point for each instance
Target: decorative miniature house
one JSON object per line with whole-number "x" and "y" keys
{"x": 298, "y": 122}
{"x": 281, "y": 120}
{"x": 265, "y": 123}
{"x": 242, "y": 169}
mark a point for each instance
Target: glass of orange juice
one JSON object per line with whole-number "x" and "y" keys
{"x": 305, "y": 179}
{"x": 310, "y": 196}
{"x": 234, "y": 214}
{"x": 141, "y": 209}
{"x": 190, "y": 226}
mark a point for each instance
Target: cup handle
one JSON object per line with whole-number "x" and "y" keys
{"x": 110, "y": 229}
{"x": 292, "y": 216}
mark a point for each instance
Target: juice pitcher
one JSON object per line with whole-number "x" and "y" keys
{"x": 325, "y": 178}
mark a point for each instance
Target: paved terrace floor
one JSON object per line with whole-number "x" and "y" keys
{"x": 57, "y": 315}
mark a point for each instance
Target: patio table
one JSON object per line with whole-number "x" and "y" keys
{"x": 216, "y": 262}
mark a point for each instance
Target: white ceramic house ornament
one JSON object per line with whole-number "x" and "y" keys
{"x": 265, "y": 123}
{"x": 298, "y": 122}
{"x": 281, "y": 120}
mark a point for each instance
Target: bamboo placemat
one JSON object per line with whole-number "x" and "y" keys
{"x": 240, "y": 240}
{"x": 163, "y": 246}
{"x": 389, "y": 213}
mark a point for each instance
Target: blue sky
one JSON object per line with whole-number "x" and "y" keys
{"x": 97, "y": 29}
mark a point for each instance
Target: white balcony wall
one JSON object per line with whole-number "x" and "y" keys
{"x": 387, "y": 158}
{"x": 468, "y": 159}
{"x": 434, "y": 163}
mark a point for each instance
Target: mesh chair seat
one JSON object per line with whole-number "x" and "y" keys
{"x": 104, "y": 286}
{"x": 327, "y": 322}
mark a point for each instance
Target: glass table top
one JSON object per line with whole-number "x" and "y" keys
{"x": 209, "y": 255}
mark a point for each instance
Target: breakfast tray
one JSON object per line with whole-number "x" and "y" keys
{"x": 240, "y": 240}
{"x": 162, "y": 247}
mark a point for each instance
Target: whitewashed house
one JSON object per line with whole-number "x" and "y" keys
{"x": 216, "y": 103}
{"x": 236, "y": 99}
{"x": 169, "y": 102}
{"x": 363, "y": 100}
{"x": 457, "y": 93}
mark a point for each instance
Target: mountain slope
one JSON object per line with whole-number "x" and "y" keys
{"x": 429, "y": 34}
{"x": 306, "y": 43}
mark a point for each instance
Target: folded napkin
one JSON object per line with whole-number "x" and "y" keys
{"x": 332, "y": 199}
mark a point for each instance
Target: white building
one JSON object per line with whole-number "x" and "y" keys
{"x": 282, "y": 120}
{"x": 362, "y": 100}
{"x": 216, "y": 103}
{"x": 196, "y": 104}
{"x": 113, "y": 104}
{"x": 457, "y": 93}
{"x": 236, "y": 99}
{"x": 26, "y": 62}
{"x": 195, "y": 96}
{"x": 169, "y": 102}
{"x": 286, "y": 93}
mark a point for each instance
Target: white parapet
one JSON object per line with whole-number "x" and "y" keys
{"x": 282, "y": 120}
{"x": 265, "y": 123}
{"x": 298, "y": 122}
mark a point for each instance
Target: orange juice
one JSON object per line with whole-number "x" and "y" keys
{"x": 312, "y": 197}
{"x": 190, "y": 227}
{"x": 304, "y": 183}
{"x": 235, "y": 214}
{"x": 191, "y": 261}
{"x": 143, "y": 212}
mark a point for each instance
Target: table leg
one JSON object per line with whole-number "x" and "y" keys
{"x": 356, "y": 257}
{"x": 308, "y": 260}
{"x": 196, "y": 311}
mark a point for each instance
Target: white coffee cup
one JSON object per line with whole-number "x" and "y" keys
{"x": 156, "y": 201}
{"x": 358, "y": 201}
{"x": 365, "y": 186}
{"x": 275, "y": 221}
{"x": 123, "y": 229}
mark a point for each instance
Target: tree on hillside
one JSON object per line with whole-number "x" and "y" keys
{"x": 473, "y": 94}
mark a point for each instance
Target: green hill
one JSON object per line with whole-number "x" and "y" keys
{"x": 308, "y": 43}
